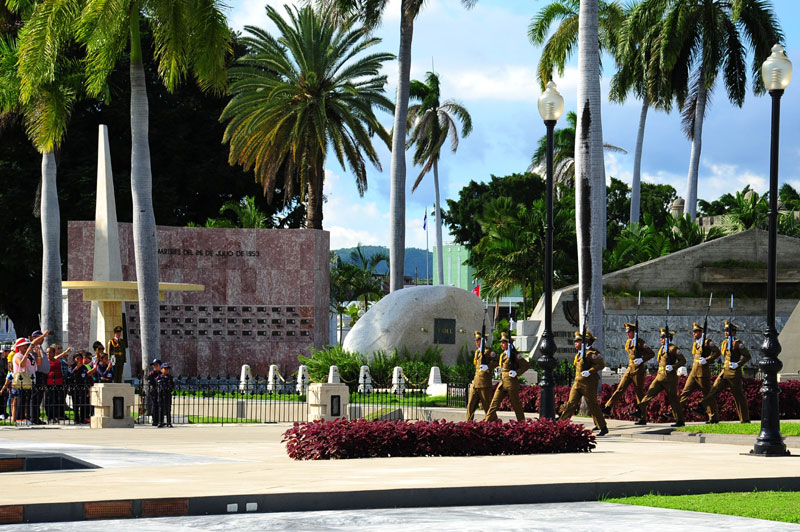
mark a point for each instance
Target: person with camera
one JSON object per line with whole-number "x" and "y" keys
{"x": 24, "y": 370}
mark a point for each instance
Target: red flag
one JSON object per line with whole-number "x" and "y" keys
{"x": 477, "y": 291}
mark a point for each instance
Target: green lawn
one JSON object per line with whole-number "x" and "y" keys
{"x": 230, "y": 420}
{"x": 770, "y": 505}
{"x": 787, "y": 429}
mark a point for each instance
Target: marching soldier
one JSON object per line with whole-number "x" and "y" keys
{"x": 512, "y": 366}
{"x": 587, "y": 376}
{"x": 485, "y": 361}
{"x": 735, "y": 355}
{"x": 116, "y": 353}
{"x": 666, "y": 380}
{"x": 635, "y": 372}
{"x": 700, "y": 376}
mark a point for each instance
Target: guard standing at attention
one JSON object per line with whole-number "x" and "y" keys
{"x": 736, "y": 355}
{"x": 667, "y": 380}
{"x": 637, "y": 356}
{"x": 485, "y": 361}
{"x": 152, "y": 391}
{"x": 512, "y": 366}
{"x": 700, "y": 376}
{"x": 116, "y": 353}
{"x": 588, "y": 365}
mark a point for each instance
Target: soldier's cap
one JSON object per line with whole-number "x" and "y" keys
{"x": 589, "y": 337}
{"x": 630, "y": 327}
{"x": 696, "y": 327}
{"x": 478, "y": 335}
{"x": 504, "y": 337}
{"x": 165, "y": 365}
{"x": 671, "y": 333}
{"x": 729, "y": 326}
{"x": 155, "y": 361}
{"x": 118, "y": 328}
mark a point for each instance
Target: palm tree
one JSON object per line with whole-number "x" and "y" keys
{"x": 190, "y": 37}
{"x": 45, "y": 114}
{"x": 705, "y": 38}
{"x": 749, "y": 211}
{"x": 430, "y": 124}
{"x": 371, "y": 12}
{"x": 563, "y": 152}
{"x": 363, "y": 280}
{"x": 295, "y": 95}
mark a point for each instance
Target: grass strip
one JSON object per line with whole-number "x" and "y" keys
{"x": 787, "y": 428}
{"x": 770, "y": 505}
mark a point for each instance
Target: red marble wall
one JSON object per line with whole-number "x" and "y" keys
{"x": 266, "y": 296}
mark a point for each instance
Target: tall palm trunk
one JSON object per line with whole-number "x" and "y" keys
{"x": 636, "y": 184}
{"x": 51, "y": 250}
{"x": 397, "y": 196}
{"x": 697, "y": 145}
{"x": 145, "y": 246}
{"x": 589, "y": 170}
{"x": 439, "y": 253}
{"x": 314, "y": 190}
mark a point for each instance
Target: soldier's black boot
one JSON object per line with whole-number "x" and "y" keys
{"x": 606, "y": 410}
{"x": 678, "y": 424}
{"x": 640, "y": 421}
{"x": 603, "y": 432}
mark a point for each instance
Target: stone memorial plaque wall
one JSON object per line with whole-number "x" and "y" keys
{"x": 265, "y": 299}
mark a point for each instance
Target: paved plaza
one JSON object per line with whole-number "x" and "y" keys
{"x": 237, "y": 469}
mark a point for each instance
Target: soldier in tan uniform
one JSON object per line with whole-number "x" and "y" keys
{"x": 116, "y": 353}
{"x": 512, "y": 366}
{"x": 666, "y": 380}
{"x": 587, "y": 376}
{"x": 735, "y": 355}
{"x": 700, "y": 376}
{"x": 635, "y": 372}
{"x": 481, "y": 390}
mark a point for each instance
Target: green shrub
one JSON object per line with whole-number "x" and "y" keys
{"x": 321, "y": 360}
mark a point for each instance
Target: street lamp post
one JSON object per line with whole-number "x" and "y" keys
{"x": 551, "y": 104}
{"x": 776, "y": 73}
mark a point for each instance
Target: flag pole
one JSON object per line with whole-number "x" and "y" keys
{"x": 427, "y": 274}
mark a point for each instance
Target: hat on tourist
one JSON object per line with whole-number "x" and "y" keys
{"x": 155, "y": 361}
{"x": 36, "y": 333}
{"x": 696, "y": 327}
{"x": 21, "y": 342}
{"x": 630, "y": 327}
{"x": 118, "y": 328}
{"x": 671, "y": 333}
{"x": 165, "y": 365}
{"x": 729, "y": 326}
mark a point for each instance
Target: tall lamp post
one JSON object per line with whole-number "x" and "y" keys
{"x": 776, "y": 73}
{"x": 551, "y": 105}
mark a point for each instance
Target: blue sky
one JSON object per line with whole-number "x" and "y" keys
{"x": 485, "y": 61}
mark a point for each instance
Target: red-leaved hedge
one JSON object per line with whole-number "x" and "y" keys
{"x": 658, "y": 411}
{"x": 330, "y": 440}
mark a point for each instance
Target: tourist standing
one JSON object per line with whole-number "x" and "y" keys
{"x": 638, "y": 354}
{"x": 735, "y": 355}
{"x": 669, "y": 360}
{"x": 703, "y": 352}
{"x": 588, "y": 365}
{"x": 40, "y": 382}
{"x": 512, "y": 366}
{"x": 485, "y": 360}
{"x": 55, "y": 401}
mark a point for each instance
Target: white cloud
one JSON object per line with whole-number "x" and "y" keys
{"x": 728, "y": 178}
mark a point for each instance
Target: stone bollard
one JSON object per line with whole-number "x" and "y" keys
{"x": 302, "y": 380}
{"x": 398, "y": 382}
{"x": 333, "y": 375}
{"x": 246, "y": 379}
{"x": 274, "y": 380}
{"x": 364, "y": 380}
{"x": 435, "y": 385}
{"x": 327, "y": 401}
{"x": 113, "y": 405}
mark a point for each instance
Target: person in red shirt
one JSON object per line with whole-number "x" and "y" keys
{"x": 56, "y": 399}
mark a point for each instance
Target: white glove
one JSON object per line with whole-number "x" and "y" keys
{"x": 734, "y": 365}
{"x": 638, "y": 361}
{"x": 585, "y": 373}
{"x": 512, "y": 373}
{"x": 669, "y": 367}
{"x": 484, "y": 367}
{"x": 703, "y": 361}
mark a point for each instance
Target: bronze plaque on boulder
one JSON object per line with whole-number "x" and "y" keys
{"x": 444, "y": 331}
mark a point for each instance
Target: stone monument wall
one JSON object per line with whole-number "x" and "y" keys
{"x": 266, "y": 296}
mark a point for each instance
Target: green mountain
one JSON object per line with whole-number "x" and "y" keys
{"x": 415, "y": 260}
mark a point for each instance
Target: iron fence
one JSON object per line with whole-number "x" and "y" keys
{"x": 457, "y": 393}
{"x": 63, "y": 404}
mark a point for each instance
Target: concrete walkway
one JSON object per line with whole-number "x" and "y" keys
{"x": 200, "y": 469}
